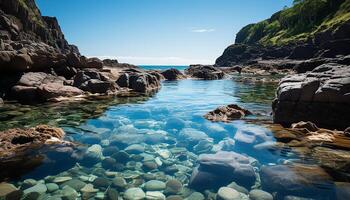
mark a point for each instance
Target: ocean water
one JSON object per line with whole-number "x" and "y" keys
{"x": 163, "y": 67}
{"x": 158, "y": 137}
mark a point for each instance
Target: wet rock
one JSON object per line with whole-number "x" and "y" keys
{"x": 119, "y": 182}
{"x": 75, "y": 184}
{"x": 1, "y": 101}
{"x": 109, "y": 163}
{"x": 93, "y": 139}
{"x": 149, "y": 165}
{"x": 342, "y": 190}
{"x": 227, "y": 113}
{"x": 206, "y": 72}
{"x": 62, "y": 179}
{"x": 138, "y": 81}
{"x": 135, "y": 149}
{"x": 134, "y": 194}
{"x": 93, "y": 81}
{"x": 28, "y": 183}
{"x": 192, "y": 136}
{"x": 39, "y": 189}
{"x": 260, "y": 195}
{"x": 173, "y": 187}
{"x": 155, "y": 185}
{"x": 175, "y": 123}
{"x": 336, "y": 160}
{"x": 173, "y": 74}
{"x": 16, "y": 140}
{"x": 320, "y": 96}
{"x": 101, "y": 182}
{"x": 311, "y": 127}
{"x": 155, "y": 195}
{"x": 174, "y": 197}
{"x": 203, "y": 146}
{"x": 220, "y": 169}
{"x": 69, "y": 193}
{"x": 112, "y": 194}
{"x": 51, "y": 187}
{"x": 195, "y": 196}
{"x": 249, "y": 136}
{"x": 296, "y": 180}
{"x": 108, "y": 151}
{"x": 237, "y": 187}
{"x": 121, "y": 157}
{"x": 8, "y": 190}
{"x": 226, "y": 193}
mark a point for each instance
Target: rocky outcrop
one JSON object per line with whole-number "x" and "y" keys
{"x": 227, "y": 113}
{"x": 220, "y": 169}
{"x": 18, "y": 140}
{"x": 206, "y": 72}
{"x": 93, "y": 81}
{"x": 139, "y": 80}
{"x": 321, "y": 96}
{"x": 173, "y": 74}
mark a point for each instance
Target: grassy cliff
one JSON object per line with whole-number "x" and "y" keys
{"x": 297, "y": 23}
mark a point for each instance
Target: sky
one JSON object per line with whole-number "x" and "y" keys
{"x": 156, "y": 32}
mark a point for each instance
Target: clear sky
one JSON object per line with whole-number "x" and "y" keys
{"x": 156, "y": 31}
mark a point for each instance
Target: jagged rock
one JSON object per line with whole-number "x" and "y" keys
{"x": 39, "y": 86}
{"x": 321, "y": 96}
{"x": 172, "y": 74}
{"x": 206, "y": 72}
{"x": 15, "y": 140}
{"x": 94, "y": 81}
{"x": 227, "y": 113}
{"x": 220, "y": 169}
{"x": 138, "y": 81}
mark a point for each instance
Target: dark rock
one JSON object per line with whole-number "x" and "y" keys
{"x": 121, "y": 157}
{"x": 311, "y": 127}
{"x": 101, "y": 182}
{"x": 108, "y": 151}
{"x": 172, "y": 74}
{"x": 138, "y": 81}
{"x": 227, "y": 113}
{"x": 220, "y": 169}
{"x": 320, "y": 96}
{"x": 206, "y": 72}
{"x": 109, "y": 163}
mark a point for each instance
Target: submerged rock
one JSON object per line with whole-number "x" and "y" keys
{"x": 206, "y": 72}
{"x": 220, "y": 169}
{"x": 18, "y": 140}
{"x": 260, "y": 195}
{"x": 226, "y": 193}
{"x": 134, "y": 194}
{"x": 227, "y": 113}
{"x": 296, "y": 179}
{"x": 321, "y": 96}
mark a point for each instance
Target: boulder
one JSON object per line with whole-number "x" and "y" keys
{"x": 138, "y": 81}
{"x": 16, "y": 140}
{"x": 220, "y": 169}
{"x": 296, "y": 179}
{"x": 173, "y": 74}
{"x": 206, "y": 72}
{"x": 320, "y": 96}
{"x": 227, "y": 113}
{"x": 91, "y": 80}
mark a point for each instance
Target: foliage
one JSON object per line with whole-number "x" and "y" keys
{"x": 297, "y": 23}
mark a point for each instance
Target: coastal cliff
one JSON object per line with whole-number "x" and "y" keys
{"x": 37, "y": 63}
{"x": 310, "y": 29}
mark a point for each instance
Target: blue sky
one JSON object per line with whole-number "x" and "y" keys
{"x": 156, "y": 31}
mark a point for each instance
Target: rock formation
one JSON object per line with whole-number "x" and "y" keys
{"x": 206, "y": 72}
{"x": 321, "y": 96}
{"x": 227, "y": 113}
{"x": 173, "y": 74}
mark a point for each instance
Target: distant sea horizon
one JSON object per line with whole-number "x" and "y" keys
{"x": 164, "y": 67}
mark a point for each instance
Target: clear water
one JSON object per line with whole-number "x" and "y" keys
{"x": 154, "y": 122}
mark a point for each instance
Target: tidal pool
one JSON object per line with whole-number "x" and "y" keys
{"x": 141, "y": 147}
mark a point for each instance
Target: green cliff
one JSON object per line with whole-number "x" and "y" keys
{"x": 297, "y": 23}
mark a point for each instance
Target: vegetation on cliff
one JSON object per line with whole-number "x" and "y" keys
{"x": 297, "y": 23}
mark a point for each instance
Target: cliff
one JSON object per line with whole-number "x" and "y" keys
{"x": 308, "y": 29}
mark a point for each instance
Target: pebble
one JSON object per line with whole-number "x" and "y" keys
{"x": 119, "y": 182}
{"x": 6, "y": 189}
{"x": 195, "y": 196}
{"x": 134, "y": 194}
{"x": 173, "y": 186}
{"x": 135, "y": 149}
{"x": 51, "y": 187}
{"x": 74, "y": 183}
{"x": 226, "y": 193}
{"x": 69, "y": 193}
{"x": 89, "y": 188}
{"x": 154, "y": 195}
{"x": 149, "y": 165}
{"x": 260, "y": 195}
{"x": 155, "y": 185}
{"x": 237, "y": 187}
{"x": 101, "y": 182}
{"x": 61, "y": 179}
{"x": 39, "y": 188}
